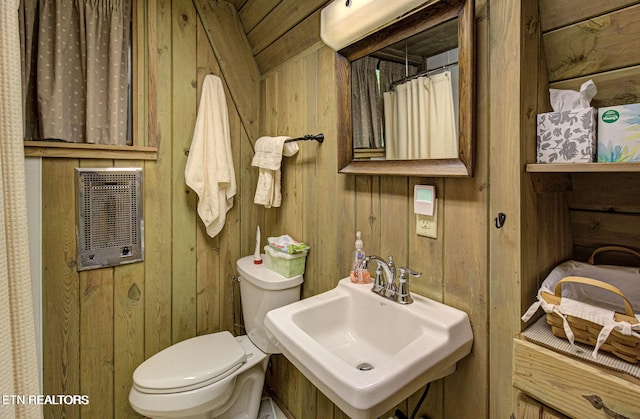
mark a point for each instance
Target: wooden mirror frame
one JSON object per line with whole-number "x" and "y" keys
{"x": 429, "y": 17}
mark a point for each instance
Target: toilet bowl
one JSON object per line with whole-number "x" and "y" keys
{"x": 217, "y": 375}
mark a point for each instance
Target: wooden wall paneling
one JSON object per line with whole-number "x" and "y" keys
{"x": 96, "y": 337}
{"x": 158, "y": 193}
{"x": 281, "y": 19}
{"x": 367, "y": 221}
{"x": 549, "y": 413}
{"x": 394, "y": 240}
{"x": 208, "y": 289}
{"x": 615, "y": 87}
{"x": 505, "y": 32}
{"x": 140, "y": 104}
{"x": 152, "y": 59}
{"x": 606, "y": 192}
{"x": 311, "y": 201}
{"x": 60, "y": 286}
{"x": 232, "y": 240}
{"x": 304, "y": 35}
{"x": 290, "y": 120}
{"x": 238, "y": 4}
{"x": 278, "y": 374}
{"x": 269, "y": 124}
{"x": 333, "y": 260}
{"x": 466, "y": 249}
{"x": 555, "y": 14}
{"x": 253, "y": 12}
{"x": 601, "y": 228}
{"x": 238, "y": 67}
{"x": 528, "y": 408}
{"x": 594, "y": 46}
{"x": 394, "y": 211}
{"x": 128, "y": 333}
{"x": 553, "y": 234}
{"x": 96, "y": 329}
{"x": 466, "y": 287}
{"x": 426, "y": 255}
{"x": 183, "y": 219}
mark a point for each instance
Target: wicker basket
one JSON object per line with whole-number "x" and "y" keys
{"x": 622, "y": 346}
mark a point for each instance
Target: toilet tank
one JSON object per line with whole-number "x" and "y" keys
{"x": 261, "y": 291}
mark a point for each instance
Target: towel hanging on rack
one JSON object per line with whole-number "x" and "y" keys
{"x": 268, "y": 157}
{"x": 209, "y": 170}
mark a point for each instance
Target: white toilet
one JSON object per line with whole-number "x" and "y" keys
{"x": 217, "y": 375}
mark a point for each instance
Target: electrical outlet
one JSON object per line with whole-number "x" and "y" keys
{"x": 426, "y": 225}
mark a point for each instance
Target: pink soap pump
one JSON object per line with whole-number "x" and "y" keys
{"x": 359, "y": 274}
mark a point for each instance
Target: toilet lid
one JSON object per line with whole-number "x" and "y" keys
{"x": 190, "y": 364}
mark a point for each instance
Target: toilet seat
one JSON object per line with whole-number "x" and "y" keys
{"x": 190, "y": 364}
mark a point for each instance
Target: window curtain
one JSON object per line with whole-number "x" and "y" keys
{"x": 419, "y": 119}
{"x": 76, "y": 65}
{"x": 365, "y": 96}
{"x": 18, "y": 359}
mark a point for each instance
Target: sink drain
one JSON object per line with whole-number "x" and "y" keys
{"x": 365, "y": 366}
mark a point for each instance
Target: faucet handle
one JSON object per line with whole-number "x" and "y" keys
{"x": 403, "y": 295}
{"x": 392, "y": 266}
{"x": 380, "y": 283}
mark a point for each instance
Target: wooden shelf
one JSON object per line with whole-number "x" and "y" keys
{"x": 582, "y": 167}
{"x": 88, "y": 151}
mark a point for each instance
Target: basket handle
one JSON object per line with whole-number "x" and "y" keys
{"x": 594, "y": 282}
{"x": 613, "y": 249}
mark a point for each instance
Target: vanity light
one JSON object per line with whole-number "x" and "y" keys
{"x": 343, "y": 22}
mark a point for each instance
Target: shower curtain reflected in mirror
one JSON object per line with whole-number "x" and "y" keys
{"x": 420, "y": 119}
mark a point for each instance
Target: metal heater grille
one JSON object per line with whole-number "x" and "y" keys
{"x": 109, "y": 222}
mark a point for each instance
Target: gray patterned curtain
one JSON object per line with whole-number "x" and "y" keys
{"x": 75, "y": 66}
{"x": 364, "y": 102}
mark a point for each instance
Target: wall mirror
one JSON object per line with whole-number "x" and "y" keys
{"x": 409, "y": 127}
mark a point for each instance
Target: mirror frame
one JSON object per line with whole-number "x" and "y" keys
{"x": 426, "y": 18}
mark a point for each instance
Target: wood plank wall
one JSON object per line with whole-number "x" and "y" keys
{"x": 325, "y": 209}
{"x": 597, "y": 40}
{"x": 99, "y": 325}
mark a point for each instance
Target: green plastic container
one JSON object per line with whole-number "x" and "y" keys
{"x": 285, "y": 264}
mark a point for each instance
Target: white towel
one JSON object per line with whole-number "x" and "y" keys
{"x": 268, "y": 157}
{"x": 209, "y": 171}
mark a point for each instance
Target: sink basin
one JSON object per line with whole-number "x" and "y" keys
{"x": 366, "y": 353}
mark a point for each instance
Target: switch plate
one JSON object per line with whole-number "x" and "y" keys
{"x": 426, "y": 225}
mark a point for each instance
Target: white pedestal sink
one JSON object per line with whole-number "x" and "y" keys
{"x": 366, "y": 353}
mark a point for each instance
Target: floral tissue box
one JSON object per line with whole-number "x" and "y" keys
{"x": 619, "y": 133}
{"x": 567, "y": 136}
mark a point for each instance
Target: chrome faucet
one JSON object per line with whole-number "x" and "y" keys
{"x": 385, "y": 282}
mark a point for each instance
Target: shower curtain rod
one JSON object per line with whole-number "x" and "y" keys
{"x": 318, "y": 137}
{"x": 420, "y": 74}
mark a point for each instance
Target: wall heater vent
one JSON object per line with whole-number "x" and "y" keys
{"x": 109, "y": 218}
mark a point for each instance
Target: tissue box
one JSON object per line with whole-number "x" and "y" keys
{"x": 619, "y": 133}
{"x": 285, "y": 264}
{"x": 567, "y": 136}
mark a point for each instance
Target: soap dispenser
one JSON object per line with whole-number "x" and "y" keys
{"x": 359, "y": 274}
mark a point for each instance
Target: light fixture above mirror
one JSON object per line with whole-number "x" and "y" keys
{"x": 343, "y": 22}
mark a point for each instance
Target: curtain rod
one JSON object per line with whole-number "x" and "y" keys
{"x": 318, "y": 137}
{"x": 420, "y": 74}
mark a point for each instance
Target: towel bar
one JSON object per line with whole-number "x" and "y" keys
{"x": 318, "y": 137}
